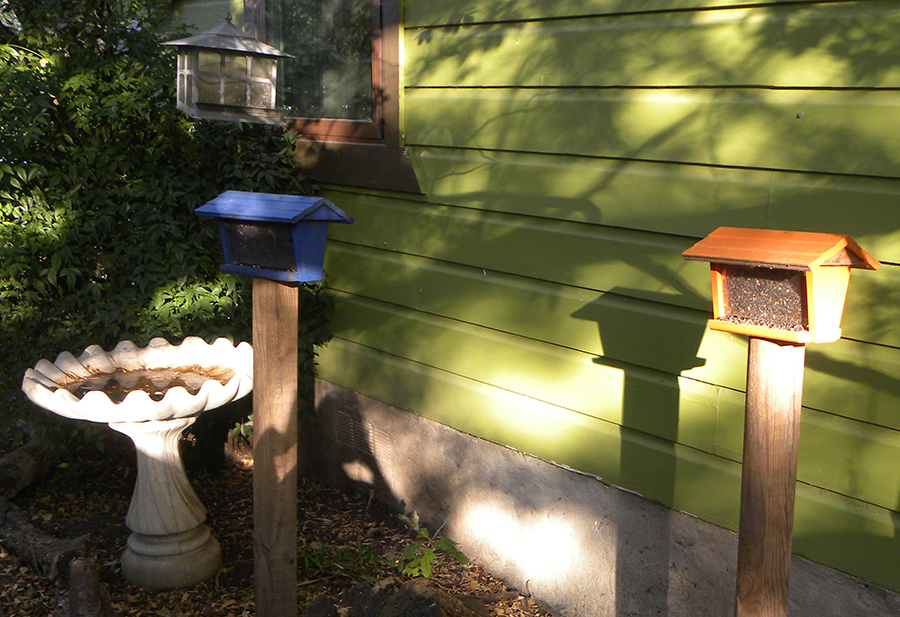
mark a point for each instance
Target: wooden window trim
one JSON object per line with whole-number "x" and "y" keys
{"x": 362, "y": 154}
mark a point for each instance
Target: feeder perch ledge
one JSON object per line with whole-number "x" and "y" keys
{"x": 780, "y": 285}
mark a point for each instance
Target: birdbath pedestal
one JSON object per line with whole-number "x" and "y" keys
{"x": 152, "y": 394}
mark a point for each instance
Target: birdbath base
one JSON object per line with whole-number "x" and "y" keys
{"x": 170, "y": 546}
{"x": 171, "y": 562}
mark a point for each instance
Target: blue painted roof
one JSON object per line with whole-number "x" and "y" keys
{"x": 248, "y": 206}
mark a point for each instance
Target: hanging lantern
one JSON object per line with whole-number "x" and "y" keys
{"x": 226, "y": 74}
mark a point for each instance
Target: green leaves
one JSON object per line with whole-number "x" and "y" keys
{"x": 357, "y": 562}
{"x": 418, "y": 556}
{"x": 99, "y": 177}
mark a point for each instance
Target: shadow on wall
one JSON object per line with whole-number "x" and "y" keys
{"x": 583, "y": 547}
{"x": 337, "y": 446}
{"x": 627, "y": 343}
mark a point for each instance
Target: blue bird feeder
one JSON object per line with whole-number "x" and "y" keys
{"x": 277, "y": 237}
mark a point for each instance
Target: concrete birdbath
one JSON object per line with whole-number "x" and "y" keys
{"x": 152, "y": 394}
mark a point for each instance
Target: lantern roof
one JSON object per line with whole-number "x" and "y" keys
{"x": 289, "y": 209}
{"x": 791, "y": 250}
{"x": 228, "y": 37}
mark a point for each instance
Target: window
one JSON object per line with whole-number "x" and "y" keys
{"x": 330, "y": 86}
{"x": 341, "y": 91}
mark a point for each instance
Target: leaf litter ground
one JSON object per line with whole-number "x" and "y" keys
{"x": 343, "y": 539}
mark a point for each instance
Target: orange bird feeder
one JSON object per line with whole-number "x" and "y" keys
{"x": 783, "y": 289}
{"x": 779, "y": 285}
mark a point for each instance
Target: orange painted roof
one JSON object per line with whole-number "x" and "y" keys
{"x": 790, "y": 250}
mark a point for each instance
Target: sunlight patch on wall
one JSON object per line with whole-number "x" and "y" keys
{"x": 595, "y": 393}
{"x": 812, "y": 66}
{"x": 357, "y": 471}
{"x": 539, "y": 544}
{"x": 649, "y": 116}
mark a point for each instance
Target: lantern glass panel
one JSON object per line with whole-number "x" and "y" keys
{"x": 207, "y": 89}
{"x": 260, "y": 95}
{"x": 209, "y": 62}
{"x": 235, "y": 92}
{"x": 234, "y": 65}
{"x": 262, "y": 68}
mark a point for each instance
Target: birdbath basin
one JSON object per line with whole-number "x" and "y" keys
{"x": 152, "y": 394}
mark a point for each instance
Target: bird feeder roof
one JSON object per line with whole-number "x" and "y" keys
{"x": 790, "y": 250}
{"x": 228, "y": 37}
{"x": 288, "y": 209}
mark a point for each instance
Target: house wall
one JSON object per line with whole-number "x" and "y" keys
{"x": 535, "y": 296}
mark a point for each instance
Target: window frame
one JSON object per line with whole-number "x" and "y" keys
{"x": 364, "y": 153}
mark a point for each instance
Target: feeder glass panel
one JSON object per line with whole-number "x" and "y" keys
{"x": 766, "y": 297}
{"x": 208, "y": 78}
{"x": 234, "y": 65}
{"x": 260, "y": 244}
{"x": 235, "y": 92}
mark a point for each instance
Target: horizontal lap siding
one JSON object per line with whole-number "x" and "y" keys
{"x": 493, "y": 329}
{"x": 455, "y": 12}
{"x": 822, "y": 131}
{"x": 787, "y": 46}
{"x": 687, "y": 200}
{"x": 497, "y": 276}
{"x": 536, "y": 295}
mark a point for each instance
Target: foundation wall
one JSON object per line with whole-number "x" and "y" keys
{"x": 582, "y": 547}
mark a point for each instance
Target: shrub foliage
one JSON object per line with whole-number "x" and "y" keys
{"x": 99, "y": 177}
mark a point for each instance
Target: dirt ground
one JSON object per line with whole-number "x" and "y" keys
{"x": 343, "y": 539}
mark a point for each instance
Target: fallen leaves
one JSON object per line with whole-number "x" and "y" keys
{"x": 343, "y": 539}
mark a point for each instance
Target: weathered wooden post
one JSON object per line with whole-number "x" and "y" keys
{"x": 275, "y": 314}
{"x": 783, "y": 289}
{"x": 279, "y": 240}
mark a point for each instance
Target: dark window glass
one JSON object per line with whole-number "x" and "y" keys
{"x": 331, "y": 74}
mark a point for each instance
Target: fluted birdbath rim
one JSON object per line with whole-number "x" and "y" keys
{"x": 47, "y": 384}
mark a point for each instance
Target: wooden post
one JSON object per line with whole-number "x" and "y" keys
{"x": 771, "y": 440}
{"x": 275, "y": 329}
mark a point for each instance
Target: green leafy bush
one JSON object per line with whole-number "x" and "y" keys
{"x": 99, "y": 177}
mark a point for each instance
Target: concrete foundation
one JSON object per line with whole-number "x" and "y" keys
{"x": 584, "y": 548}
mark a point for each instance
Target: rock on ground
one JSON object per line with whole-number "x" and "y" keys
{"x": 416, "y": 598}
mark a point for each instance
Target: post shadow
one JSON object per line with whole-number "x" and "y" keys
{"x": 651, "y": 347}
{"x": 339, "y": 447}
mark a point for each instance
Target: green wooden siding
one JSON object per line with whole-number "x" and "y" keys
{"x": 838, "y": 132}
{"x": 459, "y": 12}
{"x": 666, "y": 49}
{"x": 670, "y": 198}
{"x": 480, "y": 343}
{"x": 536, "y": 296}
